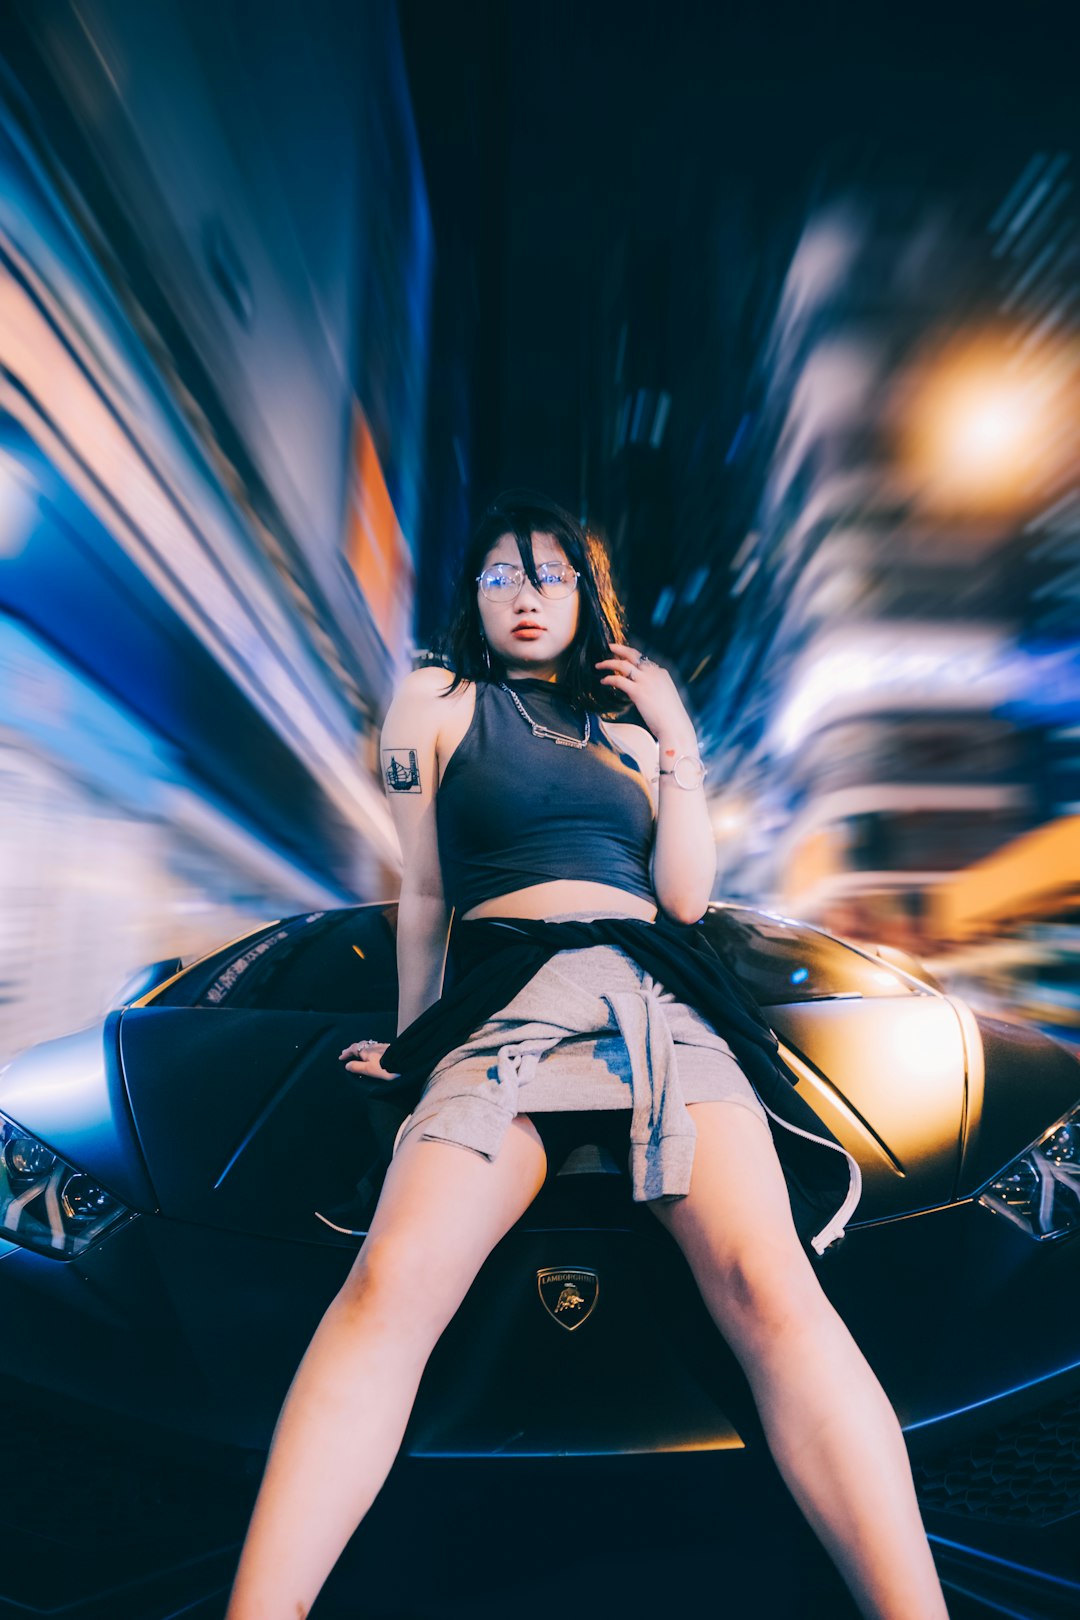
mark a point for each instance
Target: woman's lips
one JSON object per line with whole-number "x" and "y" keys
{"x": 527, "y": 632}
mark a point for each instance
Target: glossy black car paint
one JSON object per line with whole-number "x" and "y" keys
{"x": 223, "y": 1125}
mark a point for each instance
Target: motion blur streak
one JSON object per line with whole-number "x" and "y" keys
{"x": 828, "y": 422}
{"x": 895, "y": 716}
{"x": 211, "y": 418}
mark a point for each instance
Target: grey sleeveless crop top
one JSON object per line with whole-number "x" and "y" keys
{"x": 513, "y": 809}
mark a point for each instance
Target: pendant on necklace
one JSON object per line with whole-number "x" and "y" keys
{"x": 539, "y": 730}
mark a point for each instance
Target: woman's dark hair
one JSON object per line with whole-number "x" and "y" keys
{"x": 523, "y": 513}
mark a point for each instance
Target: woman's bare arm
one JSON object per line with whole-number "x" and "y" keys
{"x": 423, "y": 928}
{"x": 683, "y": 864}
{"x": 409, "y": 745}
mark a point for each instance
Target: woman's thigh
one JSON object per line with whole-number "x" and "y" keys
{"x": 735, "y": 1226}
{"x": 442, "y": 1209}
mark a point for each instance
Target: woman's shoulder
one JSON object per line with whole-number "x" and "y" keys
{"x": 431, "y": 680}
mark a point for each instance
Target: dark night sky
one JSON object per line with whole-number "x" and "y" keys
{"x": 548, "y": 129}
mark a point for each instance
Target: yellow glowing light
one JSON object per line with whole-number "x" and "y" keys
{"x": 982, "y": 425}
{"x": 992, "y": 428}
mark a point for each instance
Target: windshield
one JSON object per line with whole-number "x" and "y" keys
{"x": 322, "y": 961}
{"x": 783, "y": 961}
{"x": 345, "y": 961}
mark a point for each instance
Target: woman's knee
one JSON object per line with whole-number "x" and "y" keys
{"x": 735, "y": 1226}
{"x": 403, "y": 1286}
{"x": 389, "y": 1264}
{"x": 763, "y": 1291}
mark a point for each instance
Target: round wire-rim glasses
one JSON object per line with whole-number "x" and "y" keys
{"x": 560, "y": 576}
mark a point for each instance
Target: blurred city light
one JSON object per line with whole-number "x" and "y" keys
{"x": 827, "y": 415}
{"x": 987, "y": 428}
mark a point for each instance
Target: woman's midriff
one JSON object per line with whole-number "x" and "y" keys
{"x": 562, "y": 894}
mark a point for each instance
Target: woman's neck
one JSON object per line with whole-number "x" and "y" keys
{"x": 554, "y": 676}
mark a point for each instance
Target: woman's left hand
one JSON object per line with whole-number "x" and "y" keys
{"x": 650, "y": 688}
{"x": 364, "y": 1058}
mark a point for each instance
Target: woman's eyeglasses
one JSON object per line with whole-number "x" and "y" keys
{"x": 503, "y": 582}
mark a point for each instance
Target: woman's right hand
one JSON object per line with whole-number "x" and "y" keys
{"x": 364, "y": 1059}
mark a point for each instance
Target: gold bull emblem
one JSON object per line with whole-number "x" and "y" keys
{"x": 568, "y": 1296}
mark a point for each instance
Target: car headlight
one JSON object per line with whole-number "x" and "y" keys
{"x": 1040, "y": 1190}
{"x": 47, "y": 1204}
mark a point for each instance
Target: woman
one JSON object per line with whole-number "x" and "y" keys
{"x": 574, "y": 857}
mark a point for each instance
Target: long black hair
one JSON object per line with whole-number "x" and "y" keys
{"x": 601, "y": 618}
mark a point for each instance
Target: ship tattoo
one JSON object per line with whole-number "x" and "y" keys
{"x": 401, "y": 771}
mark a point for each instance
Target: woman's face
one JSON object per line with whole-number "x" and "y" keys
{"x": 540, "y": 653}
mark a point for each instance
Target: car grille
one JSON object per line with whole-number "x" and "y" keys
{"x": 1027, "y": 1471}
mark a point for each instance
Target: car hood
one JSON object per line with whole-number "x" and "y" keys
{"x": 930, "y": 1097}
{"x": 887, "y": 1075}
{"x": 246, "y": 1121}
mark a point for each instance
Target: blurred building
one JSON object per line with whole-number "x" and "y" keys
{"x": 215, "y": 322}
{"x": 872, "y": 743}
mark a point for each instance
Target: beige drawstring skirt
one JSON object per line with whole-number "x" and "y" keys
{"x": 590, "y": 1030}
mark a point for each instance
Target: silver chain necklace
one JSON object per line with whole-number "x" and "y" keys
{"x": 539, "y": 730}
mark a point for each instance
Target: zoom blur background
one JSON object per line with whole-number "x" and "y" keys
{"x": 784, "y": 304}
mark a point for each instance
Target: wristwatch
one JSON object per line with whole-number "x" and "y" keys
{"x": 698, "y": 771}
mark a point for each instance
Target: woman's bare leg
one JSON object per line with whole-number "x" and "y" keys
{"x": 830, "y": 1426}
{"x": 441, "y": 1211}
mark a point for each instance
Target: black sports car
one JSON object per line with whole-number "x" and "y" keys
{"x": 165, "y": 1261}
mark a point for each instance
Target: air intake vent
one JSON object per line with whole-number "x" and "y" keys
{"x": 1027, "y": 1472}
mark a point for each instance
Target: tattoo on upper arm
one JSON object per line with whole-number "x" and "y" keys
{"x": 401, "y": 770}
